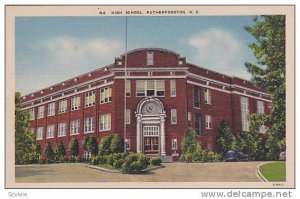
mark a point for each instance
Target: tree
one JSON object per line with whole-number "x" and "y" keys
{"x": 225, "y": 140}
{"x": 111, "y": 144}
{"x": 117, "y": 144}
{"x": 91, "y": 146}
{"x": 60, "y": 151}
{"x": 269, "y": 73}
{"x": 49, "y": 153}
{"x": 189, "y": 143}
{"x": 25, "y": 146}
{"x": 74, "y": 147}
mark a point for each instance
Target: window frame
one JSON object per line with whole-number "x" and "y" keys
{"x": 127, "y": 116}
{"x": 104, "y": 122}
{"x": 150, "y": 58}
{"x": 62, "y": 127}
{"x": 198, "y": 97}
{"x": 74, "y": 127}
{"x": 173, "y": 116}
{"x": 31, "y": 114}
{"x": 208, "y": 122}
{"x": 62, "y": 106}
{"x": 88, "y": 125}
{"x": 198, "y": 119}
{"x": 244, "y": 103}
{"x": 207, "y": 96}
{"x": 89, "y": 99}
{"x": 105, "y": 95}
{"x": 172, "y": 88}
{"x": 40, "y": 133}
{"x": 51, "y": 109}
{"x": 127, "y": 88}
{"x": 41, "y": 114}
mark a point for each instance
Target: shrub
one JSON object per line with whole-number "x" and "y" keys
{"x": 155, "y": 161}
{"x": 94, "y": 160}
{"x": 49, "y": 153}
{"x": 111, "y": 144}
{"x": 73, "y": 147}
{"x": 135, "y": 163}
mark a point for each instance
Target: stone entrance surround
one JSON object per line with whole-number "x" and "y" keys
{"x": 150, "y": 111}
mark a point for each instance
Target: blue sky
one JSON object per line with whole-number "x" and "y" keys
{"x": 52, "y": 49}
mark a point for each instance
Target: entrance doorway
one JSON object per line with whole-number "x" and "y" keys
{"x": 151, "y": 141}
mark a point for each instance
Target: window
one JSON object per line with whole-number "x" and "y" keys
{"x": 87, "y": 154}
{"x": 32, "y": 130}
{"x": 140, "y": 88}
{"x": 75, "y": 102}
{"x": 39, "y": 133}
{"x": 196, "y": 97}
{"x": 89, "y": 99}
{"x": 62, "y": 129}
{"x": 62, "y": 106}
{"x": 105, "y": 122}
{"x": 160, "y": 88}
{"x": 88, "y": 125}
{"x": 208, "y": 121}
{"x": 189, "y": 118}
{"x": 127, "y": 144}
{"x": 244, "y": 113}
{"x": 128, "y": 88}
{"x": 174, "y": 144}
{"x": 207, "y": 96}
{"x": 41, "y": 112}
{"x": 105, "y": 95}
{"x": 150, "y": 131}
{"x": 208, "y": 146}
{"x": 197, "y": 123}
{"x": 51, "y": 109}
{"x": 173, "y": 116}
{"x": 260, "y": 107}
{"x": 50, "y": 131}
{"x": 173, "y": 88}
{"x": 127, "y": 116}
{"x": 150, "y": 88}
{"x": 149, "y": 58}
{"x": 74, "y": 127}
{"x": 31, "y": 114}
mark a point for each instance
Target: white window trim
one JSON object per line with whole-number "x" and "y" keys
{"x": 106, "y": 122}
{"x": 52, "y": 129}
{"x": 127, "y": 116}
{"x": 31, "y": 114}
{"x": 62, "y": 106}
{"x": 174, "y": 144}
{"x": 39, "y": 133}
{"x": 39, "y": 115}
{"x": 51, "y": 109}
{"x": 150, "y": 58}
{"x": 91, "y": 129}
{"x": 208, "y": 122}
{"x": 244, "y": 101}
{"x": 127, "y": 144}
{"x": 74, "y": 124}
{"x": 128, "y": 85}
{"x": 145, "y": 82}
{"x": 107, "y": 92}
{"x": 207, "y": 96}
{"x": 59, "y": 128}
{"x": 173, "y": 111}
{"x": 89, "y": 99}
{"x": 172, "y": 88}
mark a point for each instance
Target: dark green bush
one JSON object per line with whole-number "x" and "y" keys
{"x": 111, "y": 144}
{"x": 135, "y": 163}
{"x": 155, "y": 161}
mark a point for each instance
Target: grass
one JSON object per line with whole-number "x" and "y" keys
{"x": 108, "y": 166}
{"x": 274, "y": 171}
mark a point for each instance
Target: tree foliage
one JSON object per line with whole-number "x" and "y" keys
{"x": 25, "y": 146}
{"x": 269, "y": 73}
{"x": 49, "y": 153}
{"x": 225, "y": 140}
{"x": 60, "y": 151}
{"x": 74, "y": 147}
{"x": 111, "y": 144}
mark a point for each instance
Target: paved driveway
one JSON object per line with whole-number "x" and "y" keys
{"x": 172, "y": 172}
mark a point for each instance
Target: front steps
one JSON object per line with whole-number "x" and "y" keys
{"x": 164, "y": 158}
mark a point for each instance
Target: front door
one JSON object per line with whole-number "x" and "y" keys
{"x": 151, "y": 141}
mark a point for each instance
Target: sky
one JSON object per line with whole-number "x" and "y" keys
{"x": 50, "y": 50}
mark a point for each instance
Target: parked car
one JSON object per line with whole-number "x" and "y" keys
{"x": 282, "y": 156}
{"x": 234, "y": 156}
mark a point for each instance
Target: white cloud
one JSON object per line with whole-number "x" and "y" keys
{"x": 76, "y": 52}
{"x": 215, "y": 47}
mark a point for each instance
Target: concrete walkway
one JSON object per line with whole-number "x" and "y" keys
{"x": 172, "y": 172}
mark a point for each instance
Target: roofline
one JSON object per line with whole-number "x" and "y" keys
{"x": 150, "y": 49}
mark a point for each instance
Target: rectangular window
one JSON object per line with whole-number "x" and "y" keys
{"x": 207, "y": 96}
{"x": 32, "y": 130}
{"x": 150, "y": 88}
{"x": 173, "y": 88}
{"x": 105, "y": 95}
{"x": 75, "y": 102}
{"x": 51, "y": 109}
{"x": 208, "y": 122}
{"x": 174, "y": 144}
{"x": 140, "y": 88}
{"x": 197, "y": 123}
{"x": 244, "y": 113}
{"x": 31, "y": 114}
{"x": 89, "y": 99}
{"x": 128, "y": 88}
{"x": 50, "y": 131}
{"x": 62, "y": 106}
{"x": 160, "y": 88}
{"x": 105, "y": 122}
{"x": 127, "y": 144}
{"x": 127, "y": 116}
{"x": 196, "y": 97}
{"x": 89, "y": 125}
{"x": 149, "y": 58}
{"x": 62, "y": 129}
{"x": 74, "y": 127}
{"x": 260, "y": 107}
{"x": 39, "y": 133}
{"x": 189, "y": 119}
{"x": 41, "y": 110}
{"x": 173, "y": 116}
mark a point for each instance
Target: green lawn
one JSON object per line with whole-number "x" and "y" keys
{"x": 274, "y": 171}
